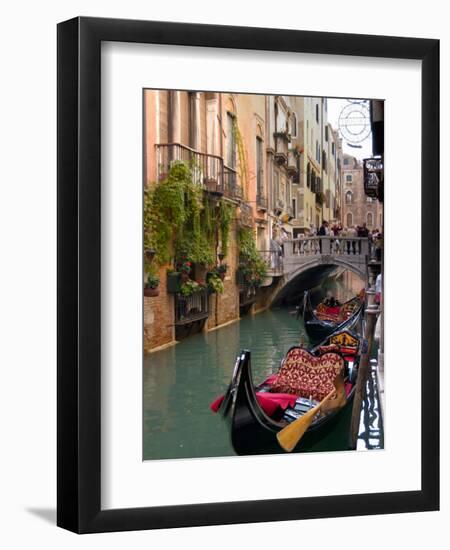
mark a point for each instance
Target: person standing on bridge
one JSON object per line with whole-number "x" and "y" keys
{"x": 322, "y": 233}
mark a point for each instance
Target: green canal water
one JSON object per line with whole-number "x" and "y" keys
{"x": 180, "y": 382}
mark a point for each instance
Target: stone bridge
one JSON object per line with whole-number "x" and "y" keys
{"x": 305, "y": 261}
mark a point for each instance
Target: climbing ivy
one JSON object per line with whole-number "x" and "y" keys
{"x": 250, "y": 261}
{"x": 182, "y": 222}
{"x": 242, "y": 155}
{"x": 226, "y": 214}
{"x": 167, "y": 208}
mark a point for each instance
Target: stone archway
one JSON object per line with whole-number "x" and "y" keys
{"x": 321, "y": 265}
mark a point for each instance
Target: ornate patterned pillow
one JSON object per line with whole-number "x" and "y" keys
{"x": 306, "y": 375}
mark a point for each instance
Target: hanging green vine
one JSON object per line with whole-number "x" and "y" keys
{"x": 226, "y": 219}
{"x": 251, "y": 263}
{"x": 242, "y": 155}
{"x": 182, "y": 222}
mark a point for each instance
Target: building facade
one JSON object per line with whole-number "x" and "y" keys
{"x": 357, "y": 207}
{"x": 238, "y": 145}
{"x": 317, "y": 188}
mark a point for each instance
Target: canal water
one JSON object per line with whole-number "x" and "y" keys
{"x": 180, "y": 383}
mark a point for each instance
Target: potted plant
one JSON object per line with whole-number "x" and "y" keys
{"x": 190, "y": 287}
{"x": 173, "y": 281}
{"x": 185, "y": 270}
{"x": 151, "y": 288}
{"x": 215, "y": 284}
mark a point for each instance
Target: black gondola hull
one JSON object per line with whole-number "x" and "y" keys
{"x": 253, "y": 432}
{"x": 318, "y": 330}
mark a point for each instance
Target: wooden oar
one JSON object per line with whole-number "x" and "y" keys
{"x": 289, "y": 436}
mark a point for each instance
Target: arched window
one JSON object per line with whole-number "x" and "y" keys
{"x": 349, "y": 219}
{"x": 348, "y": 197}
{"x": 369, "y": 219}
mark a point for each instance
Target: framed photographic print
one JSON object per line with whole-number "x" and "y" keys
{"x": 248, "y": 305}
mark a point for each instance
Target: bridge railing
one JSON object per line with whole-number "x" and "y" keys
{"x": 304, "y": 247}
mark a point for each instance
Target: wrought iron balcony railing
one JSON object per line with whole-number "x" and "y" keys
{"x": 232, "y": 189}
{"x": 207, "y": 170}
{"x": 191, "y": 308}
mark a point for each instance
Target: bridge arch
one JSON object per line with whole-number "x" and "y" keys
{"x": 337, "y": 261}
{"x": 309, "y": 274}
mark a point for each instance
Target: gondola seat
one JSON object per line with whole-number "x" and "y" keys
{"x": 326, "y": 313}
{"x": 307, "y": 375}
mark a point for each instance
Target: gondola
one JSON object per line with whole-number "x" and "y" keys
{"x": 255, "y": 418}
{"x": 323, "y": 321}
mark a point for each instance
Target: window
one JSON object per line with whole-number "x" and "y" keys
{"x": 369, "y": 219}
{"x": 293, "y": 125}
{"x": 317, "y": 113}
{"x": 259, "y": 167}
{"x": 349, "y": 219}
{"x": 349, "y": 178}
{"x": 348, "y": 197}
{"x": 294, "y": 207}
{"x": 326, "y": 133}
{"x": 333, "y": 149}
{"x": 324, "y": 161}
{"x": 231, "y": 141}
{"x": 317, "y": 152}
{"x": 346, "y": 161}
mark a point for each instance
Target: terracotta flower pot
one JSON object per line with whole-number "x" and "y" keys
{"x": 151, "y": 292}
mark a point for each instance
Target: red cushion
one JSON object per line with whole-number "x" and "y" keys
{"x": 305, "y": 375}
{"x": 268, "y": 401}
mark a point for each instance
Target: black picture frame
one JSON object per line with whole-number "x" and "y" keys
{"x": 79, "y": 280}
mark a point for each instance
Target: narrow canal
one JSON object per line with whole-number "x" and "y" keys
{"x": 180, "y": 382}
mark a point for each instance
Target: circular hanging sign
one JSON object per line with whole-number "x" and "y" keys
{"x": 354, "y": 122}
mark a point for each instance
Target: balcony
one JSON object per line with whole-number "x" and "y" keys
{"x": 207, "y": 171}
{"x": 282, "y": 140}
{"x": 292, "y": 168}
{"x": 232, "y": 189}
{"x": 190, "y": 309}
